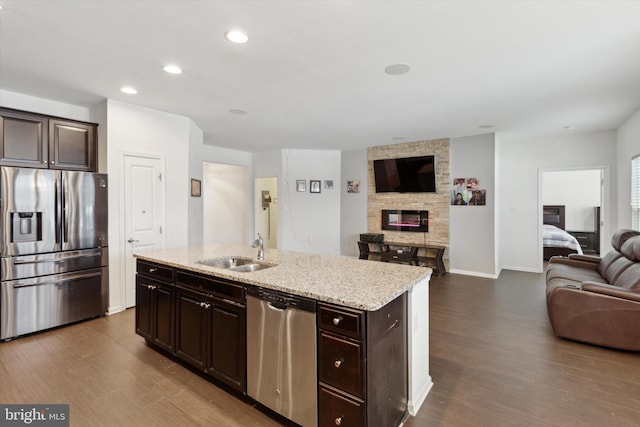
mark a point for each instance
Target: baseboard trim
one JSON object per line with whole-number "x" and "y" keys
{"x": 475, "y": 273}
{"x": 416, "y": 401}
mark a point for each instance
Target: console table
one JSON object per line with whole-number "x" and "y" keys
{"x": 404, "y": 253}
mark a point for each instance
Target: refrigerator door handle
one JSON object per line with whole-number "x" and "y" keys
{"x": 48, "y": 281}
{"x": 57, "y": 210}
{"x": 59, "y": 259}
{"x": 64, "y": 219}
{"x": 38, "y": 261}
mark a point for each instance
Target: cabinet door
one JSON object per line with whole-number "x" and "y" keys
{"x": 192, "y": 320}
{"x": 144, "y": 311}
{"x": 227, "y": 360}
{"x": 164, "y": 327}
{"x": 23, "y": 139}
{"x": 72, "y": 145}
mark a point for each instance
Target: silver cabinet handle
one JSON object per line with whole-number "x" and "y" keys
{"x": 205, "y": 305}
{"x": 153, "y": 270}
{"x": 337, "y": 363}
{"x": 337, "y": 320}
{"x": 131, "y": 240}
{"x": 338, "y": 421}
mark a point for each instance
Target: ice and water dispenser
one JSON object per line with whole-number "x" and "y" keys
{"x": 26, "y": 226}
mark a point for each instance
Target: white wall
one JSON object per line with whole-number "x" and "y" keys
{"x": 578, "y": 191}
{"x": 310, "y": 222}
{"x": 517, "y": 184}
{"x": 353, "y": 206}
{"x": 224, "y": 190}
{"x": 135, "y": 129}
{"x": 196, "y": 210}
{"x": 628, "y": 145}
{"x": 472, "y": 228}
{"x": 43, "y": 106}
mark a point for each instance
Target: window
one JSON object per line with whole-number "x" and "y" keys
{"x": 635, "y": 192}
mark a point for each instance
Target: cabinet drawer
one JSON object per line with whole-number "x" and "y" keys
{"x": 341, "y": 364}
{"x": 341, "y": 320}
{"x": 209, "y": 285}
{"x": 586, "y": 239}
{"x": 338, "y": 410}
{"x": 154, "y": 270}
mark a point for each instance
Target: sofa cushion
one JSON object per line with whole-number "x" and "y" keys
{"x": 607, "y": 260}
{"x": 631, "y": 248}
{"x": 621, "y": 236}
{"x": 564, "y": 271}
{"x": 614, "y": 269}
{"x": 629, "y": 278}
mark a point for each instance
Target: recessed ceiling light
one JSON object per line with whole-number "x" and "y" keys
{"x": 172, "y": 69}
{"x": 397, "y": 69}
{"x": 236, "y": 36}
{"x": 128, "y": 90}
{"x": 238, "y": 112}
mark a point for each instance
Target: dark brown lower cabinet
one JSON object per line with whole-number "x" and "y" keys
{"x": 192, "y": 324}
{"x": 339, "y": 409}
{"x": 211, "y": 329}
{"x": 228, "y": 354}
{"x": 155, "y": 312}
{"x": 362, "y": 365}
{"x": 199, "y": 319}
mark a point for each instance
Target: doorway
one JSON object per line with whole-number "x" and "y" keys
{"x": 143, "y": 202}
{"x": 225, "y": 203}
{"x": 266, "y": 210}
{"x": 581, "y": 191}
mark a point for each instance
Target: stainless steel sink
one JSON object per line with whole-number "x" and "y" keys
{"x": 225, "y": 262}
{"x": 242, "y": 265}
{"x": 247, "y": 268}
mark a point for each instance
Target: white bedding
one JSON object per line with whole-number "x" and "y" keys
{"x": 553, "y": 236}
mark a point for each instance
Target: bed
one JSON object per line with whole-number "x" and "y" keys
{"x": 555, "y": 240}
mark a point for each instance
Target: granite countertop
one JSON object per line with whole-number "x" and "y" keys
{"x": 347, "y": 281}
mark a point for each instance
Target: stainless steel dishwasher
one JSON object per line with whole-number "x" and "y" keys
{"x": 281, "y": 354}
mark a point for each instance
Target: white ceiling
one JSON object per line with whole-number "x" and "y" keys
{"x": 312, "y": 74}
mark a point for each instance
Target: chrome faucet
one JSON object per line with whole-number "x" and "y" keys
{"x": 259, "y": 243}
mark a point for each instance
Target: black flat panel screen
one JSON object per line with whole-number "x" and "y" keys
{"x": 405, "y": 175}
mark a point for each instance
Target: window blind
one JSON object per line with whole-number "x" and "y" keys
{"x": 635, "y": 192}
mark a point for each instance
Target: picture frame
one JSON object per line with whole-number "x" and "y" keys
{"x": 196, "y": 188}
{"x": 315, "y": 186}
{"x": 301, "y": 185}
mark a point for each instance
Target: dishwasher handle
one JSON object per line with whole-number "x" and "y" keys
{"x": 281, "y": 300}
{"x": 277, "y": 305}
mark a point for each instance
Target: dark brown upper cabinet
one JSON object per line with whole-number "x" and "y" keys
{"x": 72, "y": 145}
{"x": 24, "y": 139}
{"x": 37, "y": 141}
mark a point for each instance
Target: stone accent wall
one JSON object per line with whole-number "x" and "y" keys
{"x": 436, "y": 203}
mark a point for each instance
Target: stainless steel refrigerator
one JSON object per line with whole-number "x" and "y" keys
{"x": 53, "y": 248}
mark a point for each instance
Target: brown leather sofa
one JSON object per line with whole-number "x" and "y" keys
{"x": 597, "y": 300}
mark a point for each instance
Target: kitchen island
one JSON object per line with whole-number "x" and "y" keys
{"x": 368, "y": 315}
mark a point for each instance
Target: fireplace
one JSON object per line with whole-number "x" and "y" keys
{"x": 405, "y": 220}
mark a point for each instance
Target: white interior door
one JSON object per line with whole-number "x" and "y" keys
{"x": 143, "y": 213}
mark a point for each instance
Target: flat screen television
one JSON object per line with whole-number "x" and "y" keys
{"x": 405, "y": 175}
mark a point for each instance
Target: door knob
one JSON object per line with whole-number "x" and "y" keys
{"x": 131, "y": 240}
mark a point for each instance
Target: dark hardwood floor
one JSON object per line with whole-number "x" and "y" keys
{"x": 494, "y": 362}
